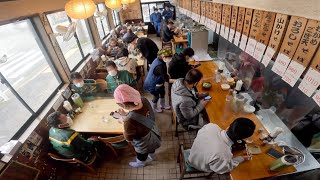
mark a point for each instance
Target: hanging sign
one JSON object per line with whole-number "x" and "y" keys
{"x": 241, "y": 14}
{"x": 219, "y": 14}
{"x": 246, "y": 29}
{"x": 233, "y": 25}
{"x": 254, "y": 31}
{"x": 227, "y": 21}
{"x": 265, "y": 33}
{"x": 276, "y": 37}
{"x": 289, "y": 44}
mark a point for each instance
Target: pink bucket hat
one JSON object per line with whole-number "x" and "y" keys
{"x": 124, "y": 93}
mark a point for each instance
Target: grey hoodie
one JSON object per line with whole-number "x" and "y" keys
{"x": 186, "y": 106}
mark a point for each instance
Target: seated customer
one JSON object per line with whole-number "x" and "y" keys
{"x": 113, "y": 47}
{"x": 82, "y": 86}
{"x": 186, "y": 102}
{"x": 68, "y": 142}
{"x": 168, "y": 32}
{"x": 115, "y": 77}
{"x": 129, "y": 36}
{"x": 211, "y": 150}
{"x": 178, "y": 66}
{"x": 123, "y": 62}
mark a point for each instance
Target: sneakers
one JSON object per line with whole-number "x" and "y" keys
{"x": 163, "y": 104}
{"x": 137, "y": 163}
{"x": 155, "y": 108}
{"x": 152, "y": 156}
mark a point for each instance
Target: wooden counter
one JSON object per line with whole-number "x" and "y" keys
{"x": 219, "y": 112}
{"x": 95, "y": 117}
{"x": 180, "y": 39}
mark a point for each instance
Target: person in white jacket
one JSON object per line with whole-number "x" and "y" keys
{"x": 123, "y": 62}
{"x": 211, "y": 150}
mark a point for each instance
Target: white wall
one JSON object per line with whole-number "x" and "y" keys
{"x": 305, "y": 8}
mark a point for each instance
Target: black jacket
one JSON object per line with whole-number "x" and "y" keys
{"x": 167, "y": 34}
{"x": 148, "y": 49}
{"x": 178, "y": 66}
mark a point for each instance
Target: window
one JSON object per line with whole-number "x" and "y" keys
{"x": 28, "y": 78}
{"x": 102, "y": 21}
{"x": 75, "y": 49}
{"x": 115, "y": 17}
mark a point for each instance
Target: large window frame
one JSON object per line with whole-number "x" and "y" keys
{"x": 105, "y": 30}
{"x": 84, "y": 56}
{"x": 115, "y": 18}
{"x": 49, "y": 59}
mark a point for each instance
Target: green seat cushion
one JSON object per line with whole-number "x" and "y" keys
{"x": 189, "y": 168}
{"x": 120, "y": 145}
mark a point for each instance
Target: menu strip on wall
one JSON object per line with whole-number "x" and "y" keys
{"x": 254, "y": 31}
{"x": 305, "y": 51}
{"x": 311, "y": 80}
{"x": 223, "y": 19}
{"x": 265, "y": 33}
{"x": 227, "y": 21}
{"x": 277, "y": 35}
{"x": 289, "y": 44}
{"x": 233, "y": 25}
{"x": 219, "y": 14}
{"x": 246, "y": 28}
{"x": 241, "y": 15}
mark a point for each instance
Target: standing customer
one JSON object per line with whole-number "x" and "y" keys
{"x": 156, "y": 78}
{"x": 139, "y": 123}
{"x": 179, "y": 66}
{"x": 167, "y": 13}
{"x": 148, "y": 49}
{"x": 155, "y": 19}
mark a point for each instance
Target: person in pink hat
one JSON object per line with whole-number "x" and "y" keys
{"x": 139, "y": 123}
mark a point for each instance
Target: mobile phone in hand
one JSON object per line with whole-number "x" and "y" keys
{"x": 115, "y": 115}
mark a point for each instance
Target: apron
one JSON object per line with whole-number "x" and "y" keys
{"x": 151, "y": 141}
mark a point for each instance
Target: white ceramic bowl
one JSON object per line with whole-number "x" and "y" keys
{"x": 225, "y": 87}
{"x": 248, "y": 108}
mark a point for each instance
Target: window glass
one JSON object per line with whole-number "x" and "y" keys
{"x": 70, "y": 49}
{"x": 104, "y": 20}
{"x": 84, "y": 36}
{"x": 27, "y": 66}
{"x": 98, "y": 22}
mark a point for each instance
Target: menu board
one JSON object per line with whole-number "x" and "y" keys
{"x": 289, "y": 44}
{"x": 223, "y": 20}
{"x": 254, "y": 31}
{"x": 311, "y": 80}
{"x": 277, "y": 34}
{"x": 264, "y": 35}
{"x": 233, "y": 24}
{"x": 219, "y": 14}
{"x": 241, "y": 15}
{"x": 203, "y": 12}
{"x": 305, "y": 51}
{"x": 246, "y": 29}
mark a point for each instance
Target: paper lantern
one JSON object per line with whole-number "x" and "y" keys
{"x": 80, "y": 9}
{"x": 125, "y": 1}
{"x": 113, "y": 4}
{"x": 132, "y": 1}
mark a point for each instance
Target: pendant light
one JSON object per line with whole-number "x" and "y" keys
{"x": 80, "y": 9}
{"x": 132, "y": 1}
{"x": 113, "y": 4}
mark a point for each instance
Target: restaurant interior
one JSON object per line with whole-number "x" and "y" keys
{"x": 259, "y": 60}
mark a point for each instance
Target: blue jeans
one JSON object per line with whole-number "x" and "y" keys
{"x": 157, "y": 26}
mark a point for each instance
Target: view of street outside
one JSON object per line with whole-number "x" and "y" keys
{"x": 28, "y": 72}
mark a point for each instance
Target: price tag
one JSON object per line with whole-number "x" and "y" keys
{"x": 226, "y": 33}
{"x": 237, "y": 38}
{"x": 310, "y": 82}
{"x": 243, "y": 42}
{"x": 281, "y": 64}
{"x": 218, "y": 28}
{"x": 316, "y": 98}
{"x": 251, "y": 46}
{"x": 267, "y": 56}
{"x": 293, "y": 73}
{"x": 259, "y": 50}
{"x": 222, "y": 31}
{"x": 231, "y": 35}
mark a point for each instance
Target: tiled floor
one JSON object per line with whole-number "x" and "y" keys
{"x": 165, "y": 167}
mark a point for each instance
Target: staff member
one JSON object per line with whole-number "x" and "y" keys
{"x": 211, "y": 150}
{"x": 147, "y": 48}
{"x": 167, "y": 13}
{"x": 140, "y": 127}
{"x": 155, "y": 19}
{"x": 156, "y": 78}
